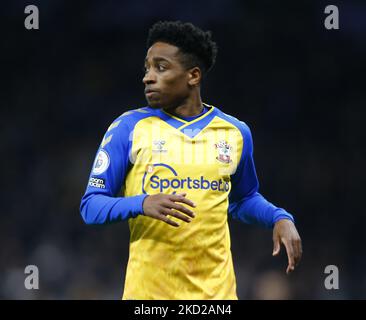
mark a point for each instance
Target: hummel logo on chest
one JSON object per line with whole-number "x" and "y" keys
{"x": 158, "y": 146}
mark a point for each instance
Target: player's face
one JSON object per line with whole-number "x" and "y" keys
{"x": 166, "y": 79}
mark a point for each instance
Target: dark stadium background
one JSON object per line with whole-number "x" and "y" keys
{"x": 300, "y": 87}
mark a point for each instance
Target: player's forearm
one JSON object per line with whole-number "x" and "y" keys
{"x": 257, "y": 210}
{"x": 101, "y": 209}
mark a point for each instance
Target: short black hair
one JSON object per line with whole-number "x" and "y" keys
{"x": 195, "y": 44}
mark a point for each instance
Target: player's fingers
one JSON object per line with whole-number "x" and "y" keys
{"x": 182, "y": 199}
{"x": 276, "y": 246}
{"x": 177, "y": 215}
{"x": 164, "y": 218}
{"x": 290, "y": 256}
{"x": 289, "y": 269}
{"x": 182, "y": 194}
{"x": 298, "y": 254}
{"x": 181, "y": 208}
{"x": 295, "y": 244}
{"x": 300, "y": 246}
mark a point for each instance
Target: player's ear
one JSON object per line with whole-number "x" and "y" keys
{"x": 195, "y": 76}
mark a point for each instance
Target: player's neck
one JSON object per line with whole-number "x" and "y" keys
{"x": 191, "y": 107}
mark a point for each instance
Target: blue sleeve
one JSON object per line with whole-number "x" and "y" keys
{"x": 246, "y": 203}
{"x": 100, "y": 203}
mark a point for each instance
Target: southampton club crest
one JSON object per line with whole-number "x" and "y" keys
{"x": 224, "y": 151}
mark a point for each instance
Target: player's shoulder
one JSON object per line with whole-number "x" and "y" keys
{"x": 134, "y": 115}
{"x": 239, "y": 124}
{"x": 129, "y": 118}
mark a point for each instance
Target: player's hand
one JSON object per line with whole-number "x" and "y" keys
{"x": 285, "y": 232}
{"x": 159, "y": 206}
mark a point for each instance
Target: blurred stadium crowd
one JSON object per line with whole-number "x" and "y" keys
{"x": 300, "y": 87}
